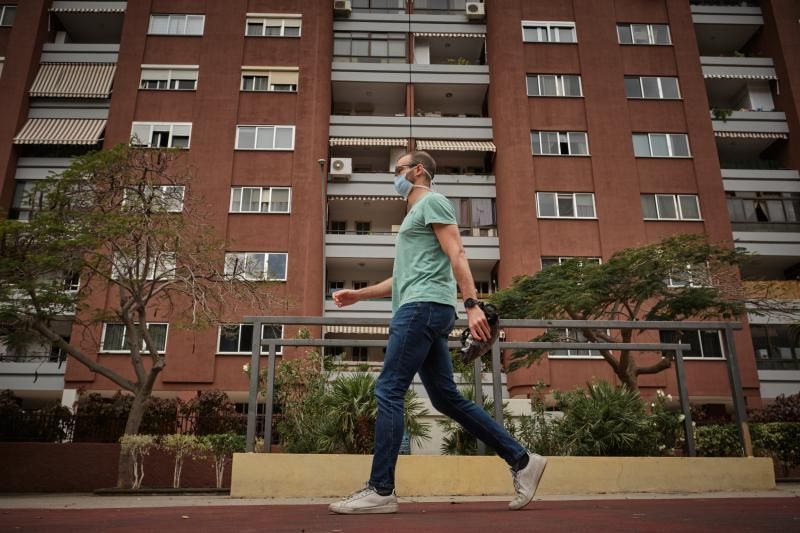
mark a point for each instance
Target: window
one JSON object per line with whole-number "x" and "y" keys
{"x": 273, "y": 26}
{"x": 167, "y": 198}
{"x": 162, "y": 78}
{"x": 554, "y": 85}
{"x": 548, "y": 261}
{"x": 360, "y": 353}
{"x": 2, "y": 62}
{"x": 698, "y": 275}
{"x": 565, "y": 205}
{"x": 7, "y": 15}
{"x": 265, "y": 137}
{"x": 260, "y": 199}
{"x": 661, "y": 145}
{"x": 265, "y": 80}
{"x": 256, "y": 266}
{"x": 670, "y": 207}
{"x": 338, "y": 227}
{"x": 363, "y": 228}
{"x": 643, "y": 34}
{"x": 360, "y": 285}
{"x": 571, "y": 335}
{"x": 559, "y": 143}
{"x": 364, "y": 47}
{"x": 771, "y": 207}
{"x": 334, "y": 286}
{"x": 160, "y": 266}
{"x": 474, "y": 213}
{"x": 396, "y": 6}
{"x": 115, "y": 337}
{"x": 26, "y": 200}
{"x": 176, "y": 24}
{"x": 161, "y": 134}
{"x": 705, "y": 344}
{"x": 656, "y": 88}
{"x": 777, "y": 347}
{"x": 238, "y": 338}
{"x": 72, "y": 281}
{"x": 548, "y": 32}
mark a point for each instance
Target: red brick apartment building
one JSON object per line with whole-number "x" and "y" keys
{"x": 562, "y": 128}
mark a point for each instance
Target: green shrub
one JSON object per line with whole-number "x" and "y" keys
{"x": 606, "y": 420}
{"x": 221, "y": 447}
{"x": 784, "y": 409}
{"x": 717, "y": 441}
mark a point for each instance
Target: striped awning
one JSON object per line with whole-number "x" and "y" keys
{"x": 105, "y": 9}
{"x": 358, "y": 330}
{"x": 365, "y": 197}
{"x": 458, "y": 146}
{"x": 445, "y": 34}
{"x": 741, "y": 76}
{"x": 750, "y": 135}
{"x": 60, "y": 131}
{"x": 73, "y": 80}
{"x": 366, "y": 141}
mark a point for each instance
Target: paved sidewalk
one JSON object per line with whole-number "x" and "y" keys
{"x": 767, "y": 511}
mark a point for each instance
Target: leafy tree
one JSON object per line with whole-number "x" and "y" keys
{"x": 127, "y": 223}
{"x": 682, "y": 277}
{"x": 221, "y": 447}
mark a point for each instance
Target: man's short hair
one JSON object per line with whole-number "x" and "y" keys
{"x": 425, "y": 158}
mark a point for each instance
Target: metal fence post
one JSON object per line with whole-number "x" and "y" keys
{"x": 477, "y": 366}
{"x": 738, "y": 393}
{"x": 683, "y": 394}
{"x": 252, "y": 400}
{"x": 497, "y": 385}
{"x": 269, "y": 403}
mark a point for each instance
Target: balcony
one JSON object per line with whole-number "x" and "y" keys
{"x": 723, "y": 29}
{"x": 88, "y": 22}
{"x": 381, "y": 246}
{"x": 438, "y": 48}
{"x": 381, "y": 185}
{"x": 778, "y": 252}
{"x": 467, "y": 128}
{"x": 745, "y": 135}
{"x": 404, "y": 73}
{"x": 37, "y": 168}
{"x": 79, "y": 53}
{"x": 760, "y": 179}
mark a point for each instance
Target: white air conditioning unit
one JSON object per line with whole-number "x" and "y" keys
{"x": 475, "y": 10}
{"x": 342, "y": 7}
{"x": 341, "y": 168}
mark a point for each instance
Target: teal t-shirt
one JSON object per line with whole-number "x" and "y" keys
{"x": 422, "y": 271}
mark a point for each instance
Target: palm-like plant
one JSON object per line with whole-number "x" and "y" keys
{"x": 456, "y": 440}
{"x": 605, "y": 420}
{"x": 352, "y": 410}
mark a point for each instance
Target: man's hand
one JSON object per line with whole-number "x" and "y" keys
{"x": 345, "y": 297}
{"x": 478, "y": 325}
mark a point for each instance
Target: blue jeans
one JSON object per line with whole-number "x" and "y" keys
{"x": 418, "y": 343}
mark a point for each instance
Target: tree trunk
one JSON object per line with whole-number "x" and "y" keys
{"x": 125, "y": 464}
{"x": 627, "y": 375}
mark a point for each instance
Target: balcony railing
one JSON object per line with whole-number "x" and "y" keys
{"x": 753, "y": 164}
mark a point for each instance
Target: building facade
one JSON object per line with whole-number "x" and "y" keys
{"x": 566, "y": 128}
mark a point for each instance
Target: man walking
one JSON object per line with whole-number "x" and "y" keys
{"x": 429, "y": 260}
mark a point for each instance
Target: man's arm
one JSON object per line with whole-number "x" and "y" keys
{"x": 450, "y": 241}
{"x": 346, "y": 297}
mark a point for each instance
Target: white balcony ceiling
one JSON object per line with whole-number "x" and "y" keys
{"x": 368, "y": 98}
{"x": 723, "y": 39}
{"x": 462, "y": 99}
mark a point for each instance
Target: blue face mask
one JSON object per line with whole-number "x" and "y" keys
{"x": 402, "y": 186}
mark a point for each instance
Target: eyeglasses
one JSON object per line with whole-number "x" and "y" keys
{"x": 397, "y": 170}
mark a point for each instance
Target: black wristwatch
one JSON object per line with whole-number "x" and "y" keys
{"x": 469, "y": 303}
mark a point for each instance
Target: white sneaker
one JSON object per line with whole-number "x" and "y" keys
{"x": 526, "y": 481}
{"x": 365, "y": 501}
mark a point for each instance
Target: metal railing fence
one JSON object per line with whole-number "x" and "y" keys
{"x": 677, "y": 349}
